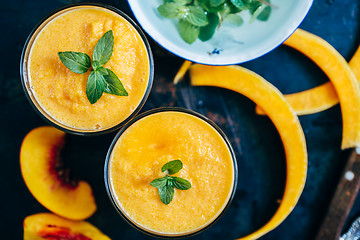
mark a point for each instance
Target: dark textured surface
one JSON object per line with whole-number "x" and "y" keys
{"x": 259, "y": 151}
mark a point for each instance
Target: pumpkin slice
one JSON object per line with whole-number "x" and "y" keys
{"x": 311, "y": 101}
{"x": 355, "y": 64}
{"x": 284, "y": 118}
{"x": 342, "y": 78}
{"x": 319, "y": 98}
{"x": 182, "y": 71}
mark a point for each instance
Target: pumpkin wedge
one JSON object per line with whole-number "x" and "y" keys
{"x": 310, "y": 101}
{"x": 355, "y": 64}
{"x": 284, "y": 118}
{"x": 319, "y": 98}
{"x": 182, "y": 71}
{"x": 342, "y": 78}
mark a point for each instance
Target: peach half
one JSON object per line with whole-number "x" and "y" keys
{"x": 51, "y": 227}
{"x": 48, "y": 181}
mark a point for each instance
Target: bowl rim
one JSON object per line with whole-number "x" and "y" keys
{"x": 111, "y": 195}
{"x": 25, "y": 78}
{"x": 197, "y": 58}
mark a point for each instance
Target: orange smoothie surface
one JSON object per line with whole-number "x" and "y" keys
{"x": 62, "y": 93}
{"x": 146, "y": 146}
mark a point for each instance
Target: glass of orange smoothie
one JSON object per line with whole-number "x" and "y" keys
{"x": 140, "y": 150}
{"x": 60, "y": 95}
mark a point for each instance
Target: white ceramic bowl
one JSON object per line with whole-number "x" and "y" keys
{"x": 230, "y": 44}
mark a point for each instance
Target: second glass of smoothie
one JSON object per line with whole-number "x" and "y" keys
{"x": 153, "y": 139}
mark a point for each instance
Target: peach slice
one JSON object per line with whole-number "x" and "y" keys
{"x": 268, "y": 97}
{"x": 48, "y": 181}
{"x": 51, "y": 227}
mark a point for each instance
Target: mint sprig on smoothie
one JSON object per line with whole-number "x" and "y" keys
{"x": 166, "y": 185}
{"x": 101, "y": 79}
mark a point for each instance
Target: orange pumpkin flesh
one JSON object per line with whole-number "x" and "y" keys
{"x": 182, "y": 71}
{"x": 341, "y": 77}
{"x": 319, "y": 98}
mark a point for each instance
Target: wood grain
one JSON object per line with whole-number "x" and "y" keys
{"x": 343, "y": 200}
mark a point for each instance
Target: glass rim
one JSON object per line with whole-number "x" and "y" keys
{"x": 149, "y": 231}
{"x": 25, "y": 78}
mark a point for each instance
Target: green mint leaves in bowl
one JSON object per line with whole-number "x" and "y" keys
{"x": 230, "y": 32}
{"x": 101, "y": 80}
{"x": 201, "y": 18}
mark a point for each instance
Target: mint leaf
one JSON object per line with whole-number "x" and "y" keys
{"x": 196, "y": 19}
{"x": 224, "y": 10}
{"x": 257, "y": 12}
{"x": 208, "y": 31}
{"x": 172, "y": 166}
{"x": 240, "y": 4}
{"x": 188, "y": 32}
{"x": 265, "y": 14}
{"x": 96, "y": 65}
{"x": 253, "y": 5}
{"x": 171, "y": 10}
{"x": 234, "y": 9}
{"x": 234, "y": 19}
{"x": 100, "y": 79}
{"x": 103, "y": 71}
{"x": 104, "y": 48}
{"x": 159, "y": 182}
{"x": 216, "y": 3}
{"x": 180, "y": 183}
{"x": 95, "y": 86}
{"x": 113, "y": 84}
{"x": 166, "y": 194}
{"x": 167, "y": 184}
{"x": 77, "y": 62}
{"x": 203, "y": 3}
{"x": 183, "y": 2}
{"x": 196, "y": 16}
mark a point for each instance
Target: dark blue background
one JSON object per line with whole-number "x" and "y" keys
{"x": 259, "y": 150}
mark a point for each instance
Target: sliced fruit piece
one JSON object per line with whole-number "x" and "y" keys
{"x": 182, "y": 71}
{"x": 319, "y": 98}
{"x": 284, "y": 118}
{"x": 341, "y": 76}
{"x": 51, "y": 227}
{"x": 355, "y": 64}
{"x": 311, "y": 101}
{"x": 48, "y": 181}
